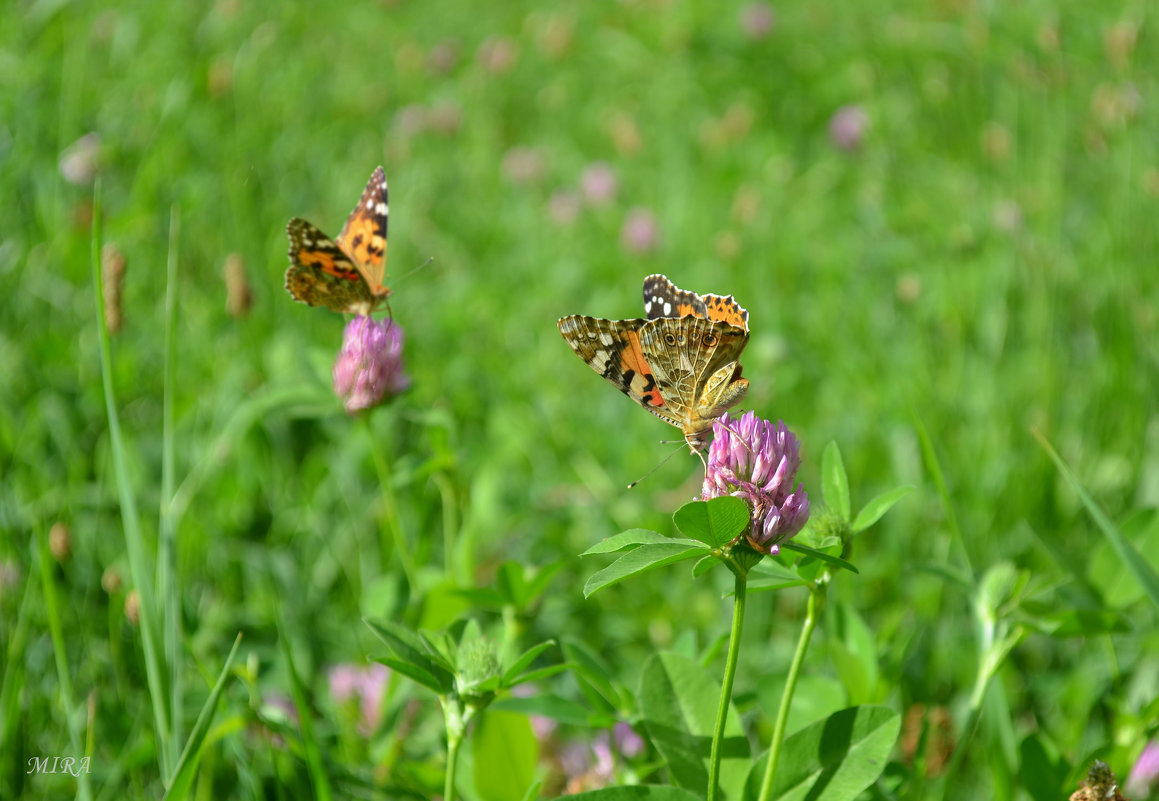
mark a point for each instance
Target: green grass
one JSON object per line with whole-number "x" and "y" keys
{"x": 983, "y": 265}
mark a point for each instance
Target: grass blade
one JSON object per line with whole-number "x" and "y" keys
{"x": 314, "y": 764}
{"x": 1131, "y": 558}
{"x": 131, "y": 523}
{"x": 168, "y": 592}
{"x": 186, "y": 769}
{"x": 56, "y": 631}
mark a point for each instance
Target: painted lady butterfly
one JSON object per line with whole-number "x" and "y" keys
{"x": 344, "y": 275}
{"x": 681, "y": 364}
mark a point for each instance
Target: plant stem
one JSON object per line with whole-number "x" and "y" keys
{"x": 816, "y": 594}
{"x": 729, "y": 673}
{"x": 456, "y": 722}
{"x": 392, "y": 531}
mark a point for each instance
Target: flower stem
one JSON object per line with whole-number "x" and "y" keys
{"x": 392, "y": 531}
{"x": 453, "y": 743}
{"x": 816, "y": 595}
{"x": 729, "y": 673}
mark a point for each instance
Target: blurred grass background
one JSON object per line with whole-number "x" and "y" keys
{"x": 941, "y": 216}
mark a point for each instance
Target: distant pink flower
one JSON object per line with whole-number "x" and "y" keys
{"x": 1144, "y": 777}
{"x": 847, "y": 127}
{"x": 598, "y": 184}
{"x": 445, "y": 117}
{"x": 497, "y": 55}
{"x": 367, "y": 684}
{"x": 564, "y": 207}
{"x": 757, "y": 20}
{"x": 410, "y": 120}
{"x": 627, "y": 741}
{"x": 640, "y": 233}
{"x": 369, "y": 367}
{"x": 523, "y": 165}
{"x": 443, "y": 57}
{"x": 541, "y": 726}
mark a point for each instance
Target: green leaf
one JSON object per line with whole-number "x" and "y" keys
{"x": 412, "y": 671}
{"x": 644, "y": 558}
{"x": 832, "y": 760}
{"x": 524, "y": 661}
{"x": 715, "y": 523}
{"x": 704, "y": 564}
{"x": 1136, "y": 565}
{"x": 505, "y": 752}
{"x": 408, "y": 646}
{"x": 1043, "y": 771}
{"x": 541, "y": 673}
{"x": 824, "y": 557}
{"x": 770, "y": 574}
{"x": 510, "y": 584}
{"x": 636, "y": 792}
{"x": 834, "y": 483}
{"x": 854, "y": 653}
{"x": 627, "y": 540}
{"x": 538, "y": 584}
{"x": 591, "y": 673}
{"x": 877, "y": 507}
{"x": 183, "y": 777}
{"x": 678, "y": 701}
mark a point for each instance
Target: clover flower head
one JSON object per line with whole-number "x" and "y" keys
{"x": 756, "y": 461}
{"x": 369, "y": 367}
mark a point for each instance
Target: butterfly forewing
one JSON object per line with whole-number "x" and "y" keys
{"x": 364, "y": 234}
{"x": 613, "y": 349}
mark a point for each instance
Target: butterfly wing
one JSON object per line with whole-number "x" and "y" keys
{"x": 322, "y": 274}
{"x": 662, "y": 298}
{"x": 364, "y": 234}
{"x": 613, "y": 348}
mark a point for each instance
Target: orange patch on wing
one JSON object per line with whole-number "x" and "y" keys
{"x": 722, "y": 310}
{"x": 643, "y": 382}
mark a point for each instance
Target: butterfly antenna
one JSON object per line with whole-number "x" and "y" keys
{"x": 736, "y": 434}
{"x": 415, "y": 270}
{"x": 662, "y": 462}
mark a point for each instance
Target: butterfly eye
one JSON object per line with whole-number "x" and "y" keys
{"x": 670, "y": 338}
{"x": 709, "y": 340}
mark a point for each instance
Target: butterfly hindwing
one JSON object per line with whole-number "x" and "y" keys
{"x": 662, "y": 298}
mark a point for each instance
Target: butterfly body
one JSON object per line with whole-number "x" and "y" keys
{"x": 344, "y": 274}
{"x": 682, "y": 364}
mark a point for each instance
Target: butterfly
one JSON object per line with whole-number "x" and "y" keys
{"x": 345, "y": 274}
{"x": 681, "y": 363}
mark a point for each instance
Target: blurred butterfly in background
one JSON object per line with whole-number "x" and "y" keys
{"x": 345, "y": 274}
